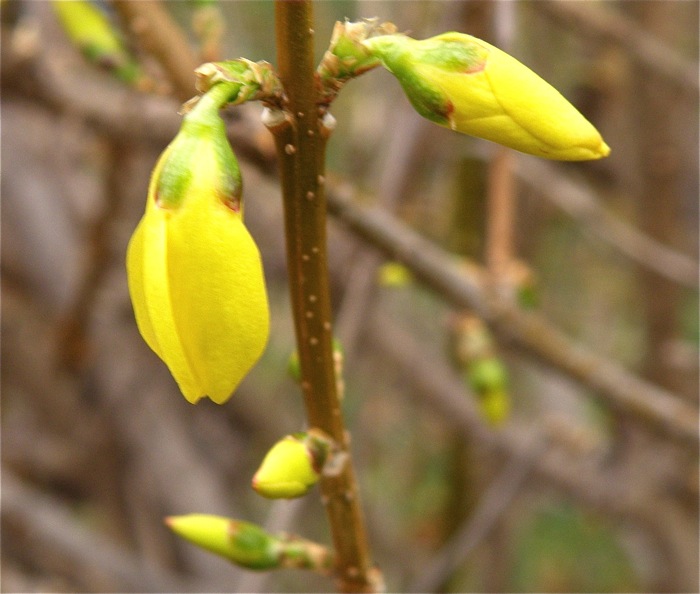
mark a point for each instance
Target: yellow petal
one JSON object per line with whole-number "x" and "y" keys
{"x": 561, "y": 132}
{"x": 147, "y": 263}
{"x": 218, "y": 294}
{"x": 508, "y": 103}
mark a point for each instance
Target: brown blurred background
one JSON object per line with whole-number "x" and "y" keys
{"x": 591, "y": 482}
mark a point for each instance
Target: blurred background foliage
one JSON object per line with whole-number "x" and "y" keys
{"x": 564, "y": 493}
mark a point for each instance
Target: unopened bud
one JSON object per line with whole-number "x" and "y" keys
{"x": 292, "y": 466}
{"x": 243, "y": 543}
{"x": 494, "y": 407}
{"x": 195, "y": 274}
{"x": 470, "y": 86}
{"x": 487, "y": 375}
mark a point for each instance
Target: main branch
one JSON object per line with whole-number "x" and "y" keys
{"x": 300, "y": 142}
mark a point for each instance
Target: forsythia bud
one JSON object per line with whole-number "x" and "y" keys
{"x": 89, "y": 29}
{"x": 488, "y": 378}
{"x": 494, "y": 407}
{"x": 466, "y": 84}
{"x": 394, "y": 274}
{"x": 244, "y": 543}
{"x": 292, "y": 466}
{"x": 195, "y": 275}
{"x": 487, "y": 374}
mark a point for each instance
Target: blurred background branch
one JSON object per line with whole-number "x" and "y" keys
{"x": 599, "y": 455}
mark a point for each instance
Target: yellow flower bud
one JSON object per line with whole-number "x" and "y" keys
{"x": 470, "y": 86}
{"x": 90, "y": 29}
{"x": 394, "y": 274}
{"x": 487, "y": 374}
{"x": 488, "y": 377}
{"x": 291, "y": 467}
{"x": 243, "y": 543}
{"x": 195, "y": 274}
{"x": 494, "y": 407}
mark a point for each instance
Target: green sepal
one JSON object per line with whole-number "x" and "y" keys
{"x": 347, "y": 57}
{"x": 247, "y": 80}
{"x": 396, "y": 56}
{"x": 202, "y": 129}
{"x": 449, "y": 52}
{"x": 406, "y": 58}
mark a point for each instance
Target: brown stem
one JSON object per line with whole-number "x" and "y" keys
{"x": 499, "y": 236}
{"x": 300, "y": 142}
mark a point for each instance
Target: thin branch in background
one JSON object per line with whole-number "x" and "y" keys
{"x": 493, "y": 503}
{"x": 580, "y": 203}
{"x": 460, "y": 285}
{"x": 588, "y": 479}
{"x": 608, "y": 24}
{"x": 49, "y": 530}
{"x": 209, "y": 25}
{"x": 362, "y": 278}
{"x": 501, "y": 200}
{"x": 72, "y": 330}
{"x": 158, "y": 33}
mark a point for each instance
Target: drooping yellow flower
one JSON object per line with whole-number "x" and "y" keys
{"x": 195, "y": 274}
{"x": 466, "y": 84}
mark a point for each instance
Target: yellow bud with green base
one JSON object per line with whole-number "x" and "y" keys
{"x": 487, "y": 374}
{"x": 243, "y": 543}
{"x": 488, "y": 377}
{"x": 195, "y": 274}
{"x": 91, "y": 31}
{"x": 470, "y": 86}
{"x": 292, "y": 466}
